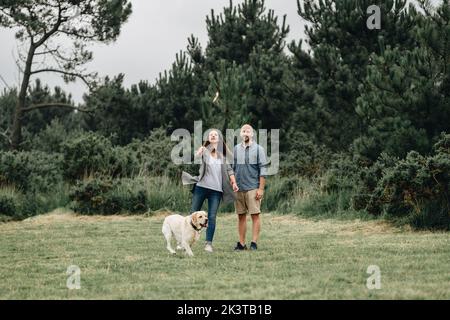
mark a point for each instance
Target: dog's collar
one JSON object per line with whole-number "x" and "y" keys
{"x": 195, "y": 228}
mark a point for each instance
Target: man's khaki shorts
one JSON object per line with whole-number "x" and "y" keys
{"x": 246, "y": 202}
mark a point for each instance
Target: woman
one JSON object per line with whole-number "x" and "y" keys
{"x": 216, "y": 181}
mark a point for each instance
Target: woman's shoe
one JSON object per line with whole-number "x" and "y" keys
{"x": 209, "y": 248}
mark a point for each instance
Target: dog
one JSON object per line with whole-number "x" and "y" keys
{"x": 186, "y": 230}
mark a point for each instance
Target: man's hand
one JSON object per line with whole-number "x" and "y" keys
{"x": 235, "y": 187}
{"x": 259, "y": 194}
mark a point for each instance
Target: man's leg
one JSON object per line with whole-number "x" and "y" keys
{"x": 241, "y": 211}
{"x": 256, "y": 218}
{"x": 242, "y": 227}
{"x": 254, "y": 208}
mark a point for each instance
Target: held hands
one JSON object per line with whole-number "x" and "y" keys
{"x": 259, "y": 194}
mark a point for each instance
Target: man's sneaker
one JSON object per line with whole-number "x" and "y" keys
{"x": 209, "y": 248}
{"x": 240, "y": 247}
{"x": 253, "y": 246}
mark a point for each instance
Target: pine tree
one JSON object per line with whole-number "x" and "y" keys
{"x": 340, "y": 46}
{"x": 405, "y": 99}
{"x": 225, "y": 105}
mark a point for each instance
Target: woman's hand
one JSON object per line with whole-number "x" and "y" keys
{"x": 200, "y": 151}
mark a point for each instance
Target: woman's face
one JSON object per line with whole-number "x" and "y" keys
{"x": 213, "y": 137}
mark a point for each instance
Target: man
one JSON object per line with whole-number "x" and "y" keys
{"x": 250, "y": 168}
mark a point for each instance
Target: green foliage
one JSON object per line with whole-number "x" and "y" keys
{"x": 404, "y": 100}
{"x": 235, "y": 33}
{"x": 8, "y": 100}
{"x": 416, "y": 187}
{"x": 92, "y": 154}
{"x": 15, "y": 205}
{"x": 179, "y": 93}
{"x": 340, "y": 46}
{"x": 279, "y": 194}
{"x": 228, "y": 95}
{"x": 367, "y": 195}
{"x": 8, "y": 202}
{"x": 52, "y": 138}
{"x": 34, "y": 172}
{"x": 86, "y": 154}
{"x": 342, "y": 174}
{"x": 139, "y": 195}
{"x": 303, "y": 157}
{"x": 154, "y": 155}
{"x": 111, "y": 102}
{"x": 37, "y": 120}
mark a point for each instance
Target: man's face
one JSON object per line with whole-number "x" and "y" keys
{"x": 246, "y": 133}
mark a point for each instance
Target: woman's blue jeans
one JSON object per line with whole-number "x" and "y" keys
{"x": 214, "y": 198}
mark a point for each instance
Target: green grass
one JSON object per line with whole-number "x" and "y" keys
{"x": 299, "y": 258}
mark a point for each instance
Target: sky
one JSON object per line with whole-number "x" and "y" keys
{"x": 154, "y": 33}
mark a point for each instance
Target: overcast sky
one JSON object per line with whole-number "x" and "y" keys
{"x": 155, "y": 32}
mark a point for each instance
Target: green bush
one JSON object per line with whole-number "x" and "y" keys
{"x": 34, "y": 172}
{"x": 304, "y": 158}
{"x": 279, "y": 193}
{"x": 15, "y": 205}
{"x": 129, "y": 195}
{"x": 414, "y": 189}
{"x": 341, "y": 174}
{"x": 93, "y": 154}
{"x": 86, "y": 154}
{"x": 368, "y": 193}
{"x": 9, "y": 202}
{"x": 154, "y": 155}
{"x": 313, "y": 198}
{"x": 53, "y": 136}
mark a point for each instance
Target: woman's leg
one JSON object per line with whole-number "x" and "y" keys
{"x": 214, "y": 198}
{"x": 198, "y": 198}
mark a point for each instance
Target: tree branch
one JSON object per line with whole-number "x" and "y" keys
{"x": 70, "y": 74}
{"x": 53, "y": 29}
{"x": 54, "y": 104}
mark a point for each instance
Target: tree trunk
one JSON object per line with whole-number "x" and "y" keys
{"x": 16, "y": 133}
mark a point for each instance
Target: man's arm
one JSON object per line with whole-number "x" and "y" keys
{"x": 263, "y": 173}
{"x": 262, "y": 185}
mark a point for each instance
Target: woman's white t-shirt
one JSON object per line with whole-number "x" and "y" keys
{"x": 213, "y": 174}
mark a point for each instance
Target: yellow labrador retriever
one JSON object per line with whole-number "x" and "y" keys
{"x": 186, "y": 230}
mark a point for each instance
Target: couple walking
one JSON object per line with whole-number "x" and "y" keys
{"x": 242, "y": 182}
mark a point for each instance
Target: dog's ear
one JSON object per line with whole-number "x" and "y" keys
{"x": 194, "y": 218}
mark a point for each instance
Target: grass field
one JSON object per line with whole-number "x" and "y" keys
{"x": 125, "y": 258}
